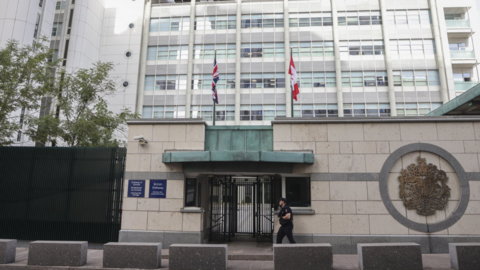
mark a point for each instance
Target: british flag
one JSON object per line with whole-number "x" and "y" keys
{"x": 216, "y": 77}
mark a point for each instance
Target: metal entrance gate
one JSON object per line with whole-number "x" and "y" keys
{"x": 241, "y": 208}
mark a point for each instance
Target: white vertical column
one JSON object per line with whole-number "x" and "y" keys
{"x": 191, "y": 39}
{"x": 388, "y": 59}
{"x": 338, "y": 64}
{"x": 288, "y": 88}
{"x": 143, "y": 57}
{"x": 439, "y": 51}
{"x": 238, "y": 63}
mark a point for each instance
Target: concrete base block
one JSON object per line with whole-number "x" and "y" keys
{"x": 8, "y": 249}
{"x": 167, "y": 238}
{"x": 132, "y": 255}
{"x": 465, "y": 256}
{"x": 198, "y": 257}
{"x": 302, "y": 256}
{"x": 57, "y": 253}
{"x": 392, "y": 256}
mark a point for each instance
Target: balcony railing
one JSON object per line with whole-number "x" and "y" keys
{"x": 457, "y": 24}
{"x": 464, "y": 86}
{"x": 462, "y": 54}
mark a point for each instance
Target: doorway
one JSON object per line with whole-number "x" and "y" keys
{"x": 241, "y": 208}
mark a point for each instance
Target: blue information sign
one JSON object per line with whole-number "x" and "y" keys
{"x": 136, "y": 188}
{"x": 158, "y": 189}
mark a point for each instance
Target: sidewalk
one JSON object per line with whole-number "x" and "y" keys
{"x": 238, "y": 259}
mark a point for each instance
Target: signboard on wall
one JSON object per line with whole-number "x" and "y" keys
{"x": 158, "y": 189}
{"x": 136, "y": 188}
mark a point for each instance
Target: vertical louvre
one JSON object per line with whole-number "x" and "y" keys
{"x": 61, "y": 193}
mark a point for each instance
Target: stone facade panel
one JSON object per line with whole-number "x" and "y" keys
{"x": 420, "y": 131}
{"x": 195, "y": 133}
{"x": 371, "y": 207}
{"x": 320, "y": 190}
{"x": 134, "y": 220}
{"x": 386, "y": 224}
{"x": 345, "y": 132}
{"x": 145, "y": 204}
{"x": 177, "y": 133}
{"x": 318, "y": 224}
{"x": 468, "y": 224}
{"x": 165, "y": 221}
{"x": 382, "y": 132}
{"x": 383, "y": 147}
{"x": 174, "y": 189}
{"x": 195, "y": 146}
{"x": 348, "y": 190}
{"x": 455, "y": 131}
{"x": 171, "y": 205}
{"x": 346, "y": 163}
{"x": 137, "y": 130}
{"x": 346, "y": 148}
{"x": 350, "y": 224}
{"x": 374, "y": 163}
{"x": 327, "y": 207}
{"x": 349, "y": 207}
{"x": 327, "y": 148}
{"x": 364, "y": 147}
{"x": 282, "y": 133}
{"x": 192, "y": 222}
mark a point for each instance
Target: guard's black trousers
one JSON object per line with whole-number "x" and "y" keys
{"x": 285, "y": 230}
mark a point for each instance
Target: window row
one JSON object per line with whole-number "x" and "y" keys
{"x": 204, "y": 81}
{"x": 215, "y": 22}
{"x": 364, "y": 47}
{"x": 310, "y": 19}
{"x": 310, "y": 110}
{"x": 170, "y": 24}
{"x": 409, "y": 17}
{"x": 262, "y": 80}
{"x": 313, "y": 49}
{"x": 412, "y": 47}
{"x": 359, "y": 18}
{"x": 163, "y": 112}
{"x": 262, "y": 20}
{"x": 416, "y": 109}
{"x": 60, "y": 5}
{"x": 364, "y": 110}
{"x": 261, "y": 112}
{"x": 167, "y": 52}
{"x": 205, "y": 51}
{"x": 416, "y": 78}
{"x": 317, "y": 79}
{"x": 57, "y": 29}
{"x": 255, "y": 50}
{"x": 364, "y": 79}
{"x": 165, "y": 82}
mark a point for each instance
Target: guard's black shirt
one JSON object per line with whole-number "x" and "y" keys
{"x": 285, "y": 210}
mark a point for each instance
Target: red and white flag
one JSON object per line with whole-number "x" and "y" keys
{"x": 293, "y": 78}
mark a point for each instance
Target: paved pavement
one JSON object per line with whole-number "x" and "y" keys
{"x": 236, "y": 251}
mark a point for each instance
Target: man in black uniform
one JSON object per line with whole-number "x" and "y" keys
{"x": 285, "y": 216}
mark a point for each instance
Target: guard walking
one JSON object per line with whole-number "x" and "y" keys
{"x": 285, "y": 216}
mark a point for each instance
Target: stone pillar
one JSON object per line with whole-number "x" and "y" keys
{"x": 439, "y": 55}
{"x": 143, "y": 58}
{"x": 338, "y": 64}
{"x": 238, "y": 63}
{"x": 388, "y": 59}
{"x": 191, "y": 39}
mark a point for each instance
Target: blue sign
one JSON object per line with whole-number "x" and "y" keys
{"x": 158, "y": 189}
{"x": 136, "y": 188}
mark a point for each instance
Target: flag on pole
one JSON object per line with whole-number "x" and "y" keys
{"x": 216, "y": 77}
{"x": 293, "y": 78}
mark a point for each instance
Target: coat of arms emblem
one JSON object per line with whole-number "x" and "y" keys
{"x": 423, "y": 188}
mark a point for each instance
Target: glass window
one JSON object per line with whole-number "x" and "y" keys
{"x": 262, "y": 20}
{"x": 57, "y": 29}
{"x": 191, "y": 192}
{"x": 310, "y": 19}
{"x": 169, "y": 24}
{"x": 359, "y": 18}
{"x": 298, "y": 191}
{"x": 215, "y": 22}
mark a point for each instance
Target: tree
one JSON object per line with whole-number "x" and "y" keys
{"x": 25, "y": 77}
{"x": 81, "y": 117}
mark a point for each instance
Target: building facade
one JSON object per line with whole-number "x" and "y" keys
{"x": 348, "y": 181}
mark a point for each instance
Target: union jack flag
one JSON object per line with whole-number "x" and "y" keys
{"x": 216, "y": 77}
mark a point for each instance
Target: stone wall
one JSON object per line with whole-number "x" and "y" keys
{"x": 349, "y": 157}
{"x": 161, "y": 218}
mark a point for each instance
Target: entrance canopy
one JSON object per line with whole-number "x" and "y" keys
{"x": 239, "y": 144}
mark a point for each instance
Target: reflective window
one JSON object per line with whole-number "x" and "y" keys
{"x": 416, "y": 109}
{"x": 313, "y": 49}
{"x": 411, "y": 48}
{"x": 167, "y": 52}
{"x": 215, "y": 22}
{"x": 359, "y": 18}
{"x": 163, "y": 112}
{"x": 207, "y": 51}
{"x": 416, "y": 78}
{"x": 262, "y": 20}
{"x": 57, "y": 29}
{"x": 297, "y": 190}
{"x": 363, "y": 47}
{"x": 364, "y": 79}
{"x": 317, "y": 79}
{"x": 263, "y": 80}
{"x": 204, "y": 81}
{"x": 364, "y": 110}
{"x": 315, "y": 110}
{"x": 169, "y": 24}
{"x": 255, "y": 50}
{"x": 165, "y": 82}
{"x": 261, "y": 112}
{"x": 409, "y": 18}
{"x": 310, "y": 19}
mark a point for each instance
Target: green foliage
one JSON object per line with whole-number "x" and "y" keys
{"x": 84, "y": 118}
{"x": 25, "y": 77}
{"x": 79, "y": 117}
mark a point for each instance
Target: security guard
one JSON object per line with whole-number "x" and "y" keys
{"x": 285, "y": 216}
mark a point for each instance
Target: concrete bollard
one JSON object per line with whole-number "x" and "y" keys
{"x": 198, "y": 257}
{"x": 57, "y": 253}
{"x": 392, "y": 256}
{"x": 132, "y": 255}
{"x": 464, "y": 256}
{"x": 8, "y": 249}
{"x": 303, "y": 256}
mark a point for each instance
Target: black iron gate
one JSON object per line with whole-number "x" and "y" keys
{"x": 61, "y": 193}
{"x": 241, "y": 208}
